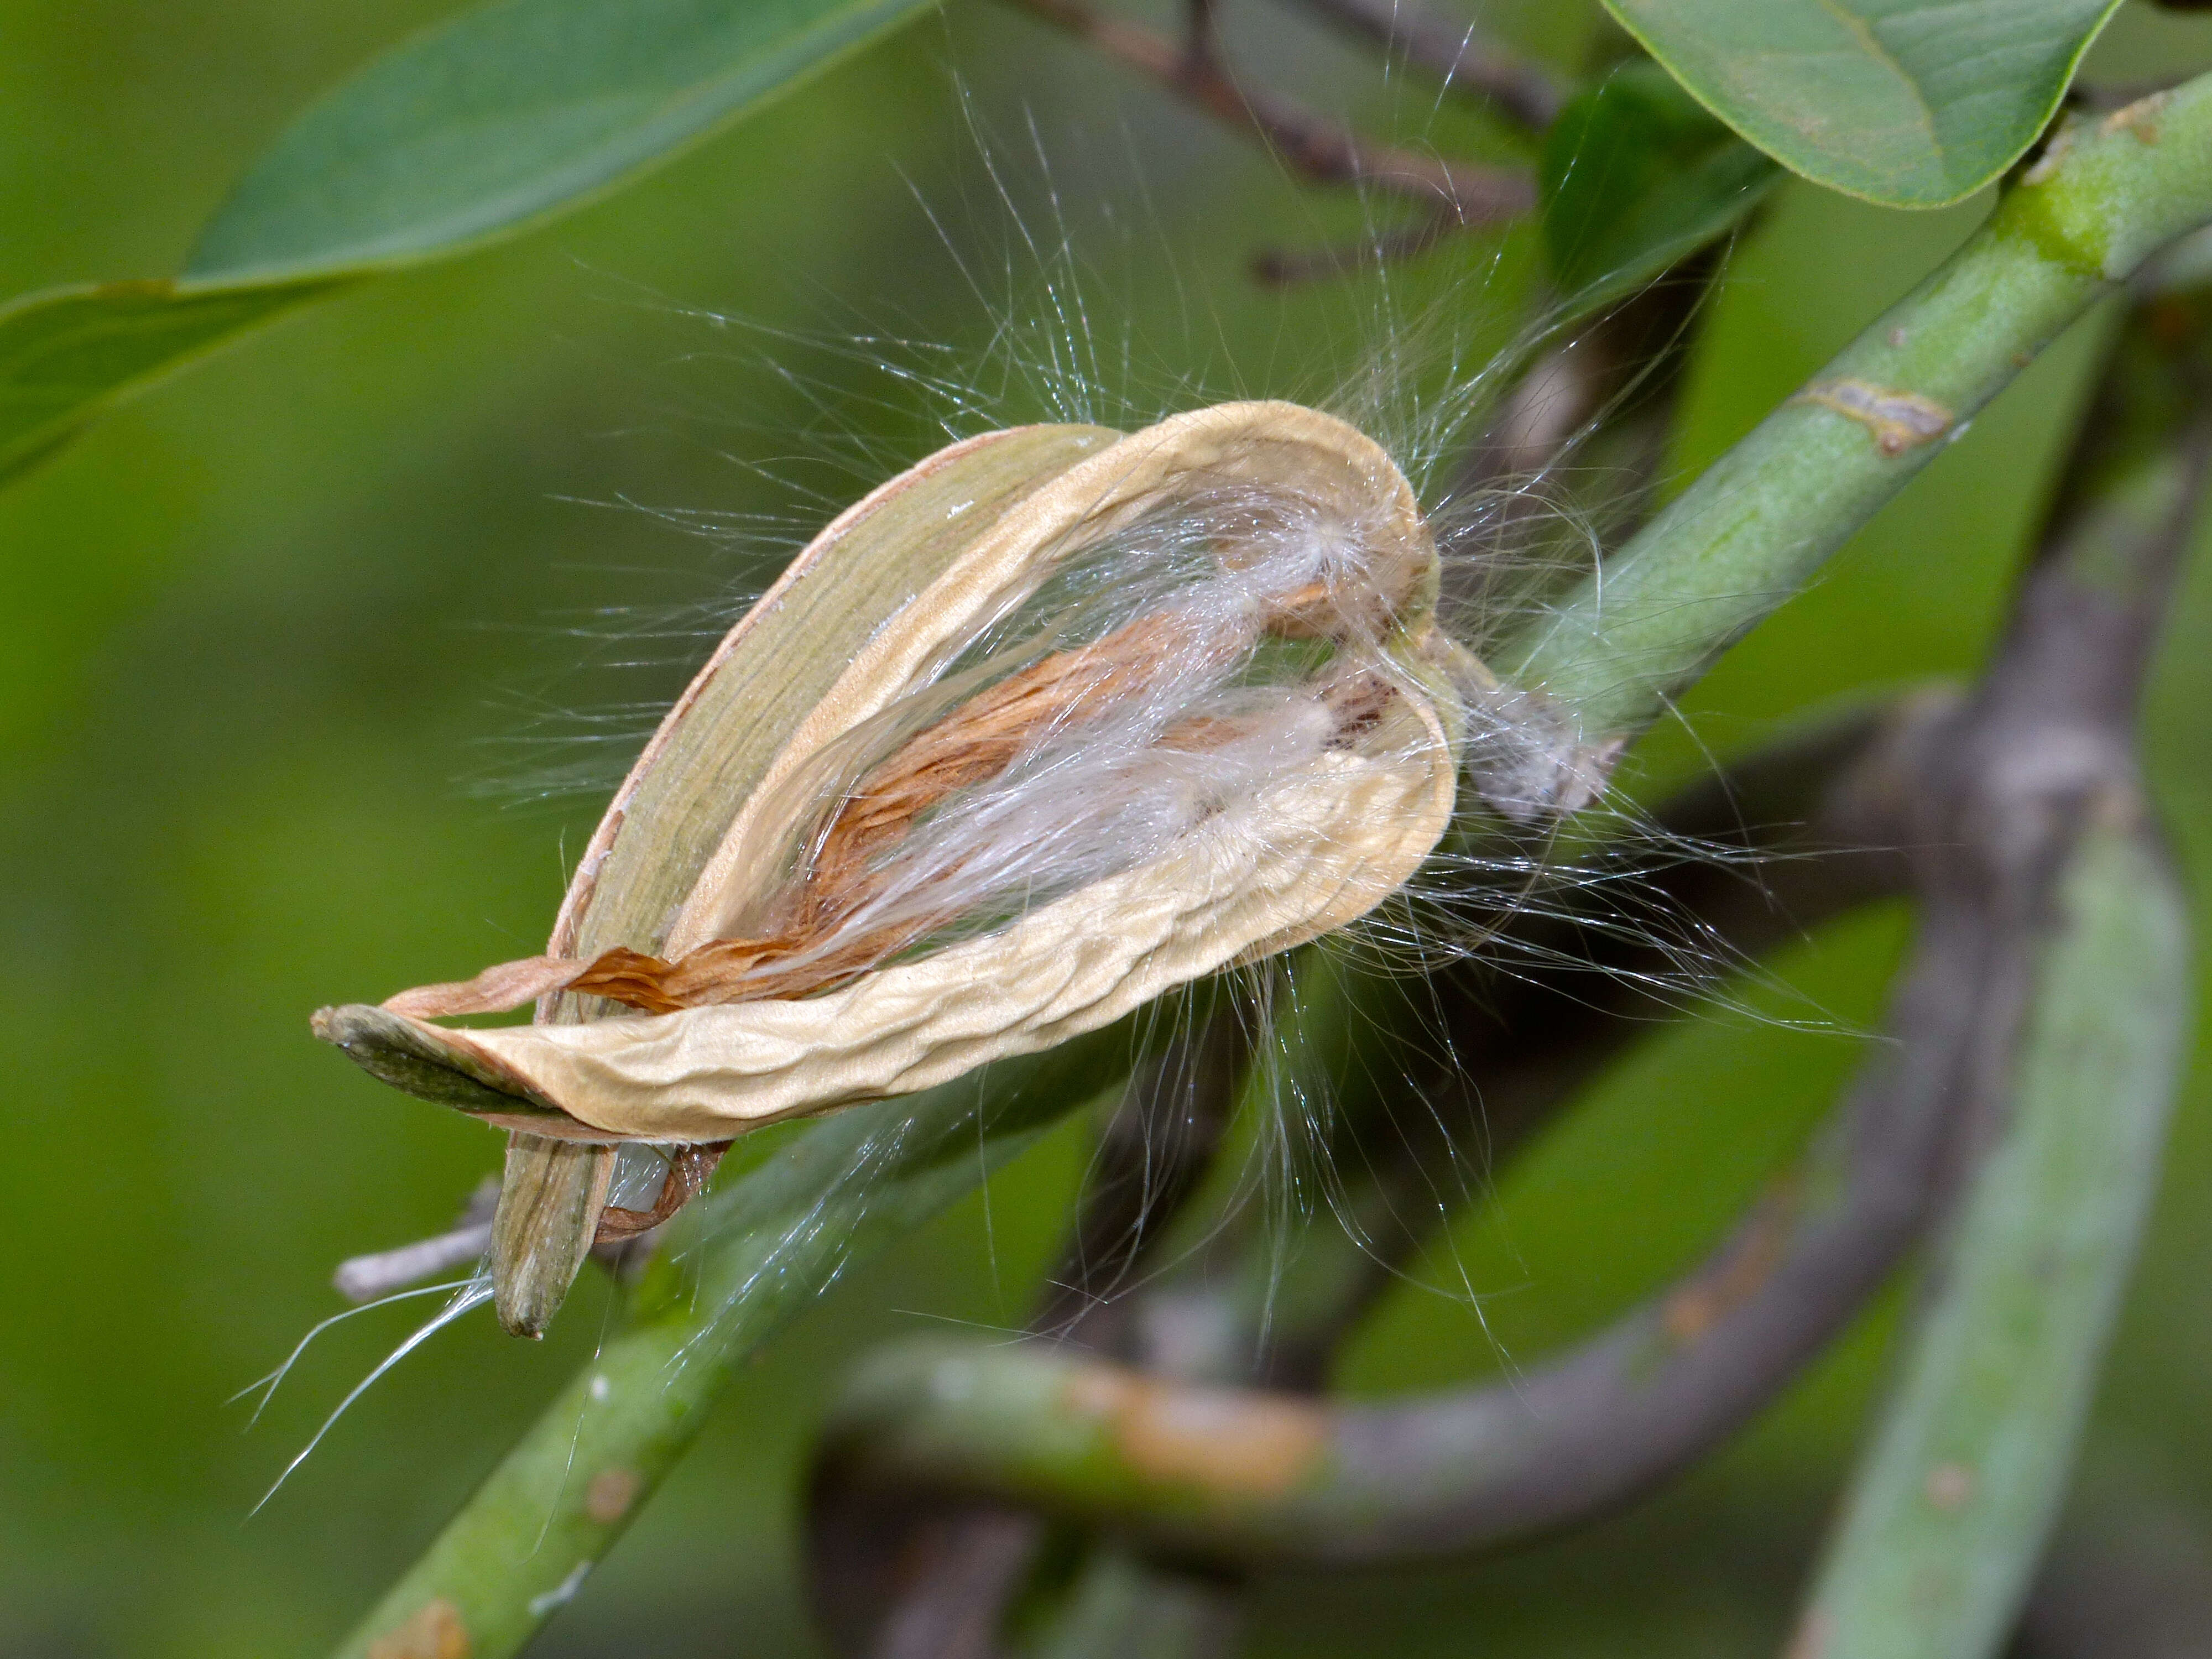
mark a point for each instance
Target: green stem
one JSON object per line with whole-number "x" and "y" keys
{"x": 1951, "y": 1506}
{"x": 751, "y": 1258}
{"x": 1759, "y": 523}
{"x": 1949, "y": 1515}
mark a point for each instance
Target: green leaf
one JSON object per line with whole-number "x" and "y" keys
{"x": 1909, "y": 103}
{"x": 67, "y": 353}
{"x": 1636, "y": 175}
{"x": 509, "y": 114}
{"x": 512, "y": 112}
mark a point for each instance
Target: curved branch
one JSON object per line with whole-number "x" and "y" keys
{"x": 925, "y": 1572}
{"x": 1272, "y": 1479}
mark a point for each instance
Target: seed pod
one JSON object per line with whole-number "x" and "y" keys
{"x": 1053, "y": 722}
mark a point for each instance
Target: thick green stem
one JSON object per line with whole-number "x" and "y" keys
{"x": 751, "y": 1258}
{"x": 1760, "y": 522}
{"x": 1947, "y": 1518}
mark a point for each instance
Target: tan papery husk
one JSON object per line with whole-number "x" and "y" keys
{"x": 696, "y": 839}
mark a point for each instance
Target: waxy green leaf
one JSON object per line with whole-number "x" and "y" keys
{"x": 1909, "y": 103}
{"x": 511, "y": 113}
{"x": 506, "y": 116}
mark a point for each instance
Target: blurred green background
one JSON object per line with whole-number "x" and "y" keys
{"x": 294, "y": 651}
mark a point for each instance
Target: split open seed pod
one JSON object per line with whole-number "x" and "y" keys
{"x": 1051, "y": 724}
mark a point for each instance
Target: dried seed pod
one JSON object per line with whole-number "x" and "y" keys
{"x": 1053, "y": 722}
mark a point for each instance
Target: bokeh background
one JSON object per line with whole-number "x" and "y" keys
{"x": 308, "y": 661}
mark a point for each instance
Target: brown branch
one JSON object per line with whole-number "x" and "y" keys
{"x": 1287, "y": 267}
{"x": 1452, "y": 52}
{"x": 1201, "y": 33}
{"x": 1312, "y": 148}
{"x": 1279, "y": 1479}
{"x": 365, "y": 1278}
{"x": 1155, "y": 1148}
{"x": 1633, "y": 353}
{"x": 1799, "y": 1266}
